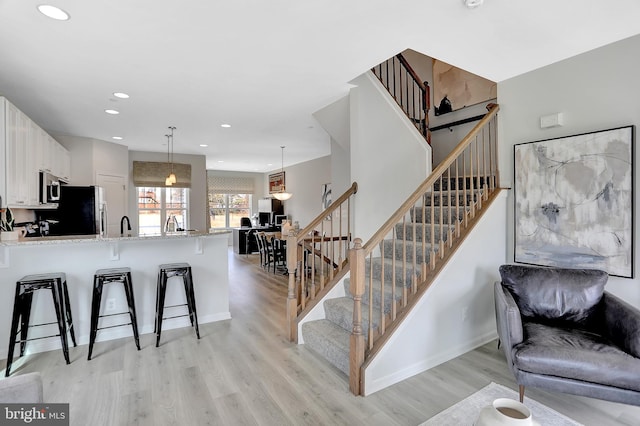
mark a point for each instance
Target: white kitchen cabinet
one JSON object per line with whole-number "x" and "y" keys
{"x": 43, "y": 154}
{"x": 59, "y": 160}
{"x": 26, "y": 149}
{"x": 17, "y": 135}
{"x": 32, "y": 157}
{"x": 63, "y": 163}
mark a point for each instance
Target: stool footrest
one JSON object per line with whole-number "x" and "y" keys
{"x": 44, "y": 323}
{"x": 176, "y": 316}
{"x": 175, "y": 306}
{"x": 35, "y": 338}
{"x": 112, "y": 326}
{"x": 113, "y": 315}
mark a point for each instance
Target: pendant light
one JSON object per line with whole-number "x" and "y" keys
{"x": 282, "y": 194}
{"x": 171, "y": 179}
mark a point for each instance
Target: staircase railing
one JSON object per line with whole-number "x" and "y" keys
{"x": 410, "y": 93}
{"x": 419, "y": 238}
{"x": 318, "y": 257}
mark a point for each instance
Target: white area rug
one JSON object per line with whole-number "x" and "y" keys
{"x": 465, "y": 412}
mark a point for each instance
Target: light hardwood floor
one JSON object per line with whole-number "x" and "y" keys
{"x": 244, "y": 372}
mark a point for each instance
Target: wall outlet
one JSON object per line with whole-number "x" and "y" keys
{"x": 111, "y": 305}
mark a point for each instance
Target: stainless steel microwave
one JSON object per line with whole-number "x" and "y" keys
{"x": 49, "y": 188}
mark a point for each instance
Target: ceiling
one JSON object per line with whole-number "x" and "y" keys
{"x": 262, "y": 66}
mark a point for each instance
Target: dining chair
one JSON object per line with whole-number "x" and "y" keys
{"x": 266, "y": 250}
{"x": 279, "y": 253}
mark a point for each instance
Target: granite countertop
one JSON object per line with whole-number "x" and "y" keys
{"x": 99, "y": 239}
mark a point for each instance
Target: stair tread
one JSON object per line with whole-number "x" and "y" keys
{"x": 329, "y": 340}
{"x": 377, "y": 283}
{"x": 388, "y": 263}
{"x": 342, "y": 307}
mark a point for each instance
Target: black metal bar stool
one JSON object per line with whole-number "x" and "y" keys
{"x": 25, "y": 287}
{"x": 108, "y": 276}
{"x": 165, "y": 272}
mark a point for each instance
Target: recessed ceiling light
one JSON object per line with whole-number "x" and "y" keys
{"x": 472, "y": 4}
{"x": 121, "y": 95}
{"x": 204, "y": 145}
{"x": 53, "y": 12}
{"x": 220, "y": 161}
{"x": 118, "y": 138}
{"x": 270, "y": 164}
{"x": 112, "y": 111}
{"x": 225, "y": 125}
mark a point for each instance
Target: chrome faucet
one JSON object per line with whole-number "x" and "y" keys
{"x": 122, "y": 225}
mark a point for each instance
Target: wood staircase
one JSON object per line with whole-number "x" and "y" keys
{"x": 389, "y": 277}
{"x": 384, "y": 278}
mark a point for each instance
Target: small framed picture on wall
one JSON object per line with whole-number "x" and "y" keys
{"x": 276, "y": 182}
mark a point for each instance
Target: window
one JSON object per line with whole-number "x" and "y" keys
{"x": 229, "y": 198}
{"x": 158, "y": 205}
{"x": 225, "y": 210}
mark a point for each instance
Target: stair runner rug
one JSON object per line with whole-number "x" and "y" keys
{"x": 466, "y": 411}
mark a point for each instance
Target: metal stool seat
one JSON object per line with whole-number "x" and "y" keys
{"x": 25, "y": 287}
{"x": 165, "y": 272}
{"x": 107, "y": 276}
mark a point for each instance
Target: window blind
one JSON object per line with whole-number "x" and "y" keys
{"x": 153, "y": 174}
{"x": 229, "y": 185}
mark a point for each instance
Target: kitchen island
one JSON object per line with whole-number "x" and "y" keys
{"x": 80, "y": 256}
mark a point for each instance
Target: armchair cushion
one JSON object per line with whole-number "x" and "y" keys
{"x": 576, "y": 354}
{"x": 554, "y": 295}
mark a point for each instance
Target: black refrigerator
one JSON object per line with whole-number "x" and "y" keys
{"x": 81, "y": 211}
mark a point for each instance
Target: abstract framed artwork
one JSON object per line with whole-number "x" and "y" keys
{"x": 574, "y": 201}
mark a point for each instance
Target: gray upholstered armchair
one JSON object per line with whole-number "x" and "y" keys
{"x": 562, "y": 332}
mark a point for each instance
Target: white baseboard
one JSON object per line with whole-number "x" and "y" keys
{"x": 436, "y": 359}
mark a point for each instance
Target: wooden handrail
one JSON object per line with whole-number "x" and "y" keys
{"x": 435, "y": 175}
{"x": 332, "y": 208}
{"x": 411, "y": 94}
{"x": 413, "y": 74}
{"x": 447, "y": 205}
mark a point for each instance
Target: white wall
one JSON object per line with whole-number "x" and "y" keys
{"x": 340, "y": 169}
{"x": 90, "y": 157}
{"x": 389, "y": 157}
{"x": 198, "y": 210}
{"x": 456, "y": 315}
{"x": 335, "y": 120}
{"x": 110, "y": 159}
{"x": 597, "y": 90}
{"x": 304, "y": 181}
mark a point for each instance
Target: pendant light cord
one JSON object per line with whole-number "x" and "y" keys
{"x": 172, "y": 128}
{"x": 168, "y": 146}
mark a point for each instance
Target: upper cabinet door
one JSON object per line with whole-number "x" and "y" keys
{"x": 17, "y": 141}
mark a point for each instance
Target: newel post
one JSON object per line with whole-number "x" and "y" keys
{"x": 292, "y": 300}
{"x": 356, "y": 287}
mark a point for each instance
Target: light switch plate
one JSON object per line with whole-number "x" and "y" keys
{"x": 551, "y": 120}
